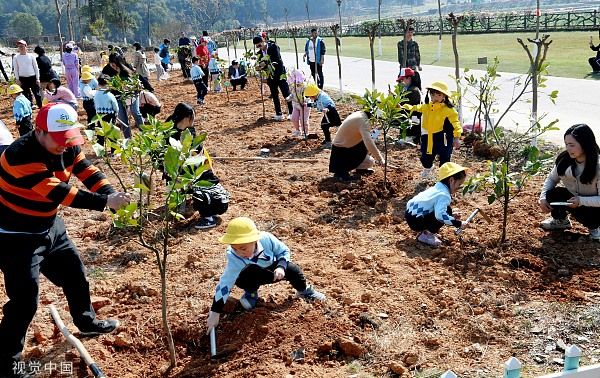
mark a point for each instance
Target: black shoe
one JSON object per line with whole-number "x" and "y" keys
{"x": 312, "y": 136}
{"x": 344, "y": 177}
{"x": 206, "y": 223}
{"x": 365, "y": 172}
{"x": 100, "y": 327}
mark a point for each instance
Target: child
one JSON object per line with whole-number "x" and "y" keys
{"x": 21, "y": 109}
{"x": 149, "y": 104}
{"x": 215, "y": 71}
{"x": 578, "y": 168}
{"x": 196, "y": 74}
{"x": 56, "y": 93}
{"x": 103, "y": 58}
{"x": 325, "y": 104}
{"x": 429, "y": 210}
{"x": 254, "y": 259}
{"x": 209, "y": 201}
{"x": 87, "y": 87}
{"x": 71, "y": 65}
{"x": 160, "y": 72}
{"x": 296, "y": 81}
{"x": 440, "y": 126}
{"x": 105, "y": 104}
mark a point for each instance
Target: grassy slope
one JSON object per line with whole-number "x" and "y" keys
{"x": 567, "y": 56}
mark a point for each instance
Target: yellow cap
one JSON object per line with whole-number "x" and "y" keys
{"x": 240, "y": 230}
{"x": 311, "y": 90}
{"x": 86, "y": 75}
{"x": 449, "y": 169}
{"x": 440, "y": 86}
{"x": 14, "y": 89}
{"x": 86, "y": 68}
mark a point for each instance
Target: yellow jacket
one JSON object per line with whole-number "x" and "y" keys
{"x": 432, "y": 120}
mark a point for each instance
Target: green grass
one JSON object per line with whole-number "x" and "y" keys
{"x": 567, "y": 55}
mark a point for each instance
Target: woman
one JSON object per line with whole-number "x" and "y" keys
{"x": 578, "y": 169}
{"x": 71, "y": 64}
{"x": 141, "y": 67}
{"x": 411, "y": 84}
{"x": 121, "y": 68}
{"x": 209, "y": 200}
{"x": 45, "y": 67}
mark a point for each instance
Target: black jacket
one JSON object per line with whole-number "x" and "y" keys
{"x": 241, "y": 70}
{"x": 275, "y": 56}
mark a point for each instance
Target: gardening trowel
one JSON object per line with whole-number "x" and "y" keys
{"x": 470, "y": 218}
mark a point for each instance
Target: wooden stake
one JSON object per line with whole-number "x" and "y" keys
{"x": 258, "y": 158}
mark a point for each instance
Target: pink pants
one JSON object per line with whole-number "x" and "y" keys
{"x": 72, "y": 75}
{"x": 297, "y": 114}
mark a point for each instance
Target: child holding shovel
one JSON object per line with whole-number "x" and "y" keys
{"x": 323, "y": 103}
{"x": 429, "y": 210}
{"x": 440, "y": 126}
{"x": 255, "y": 258}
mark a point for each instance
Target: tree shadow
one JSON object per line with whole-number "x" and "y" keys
{"x": 289, "y": 147}
{"x": 592, "y": 76}
{"x": 242, "y": 129}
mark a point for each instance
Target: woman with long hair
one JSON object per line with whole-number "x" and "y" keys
{"x": 578, "y": 169}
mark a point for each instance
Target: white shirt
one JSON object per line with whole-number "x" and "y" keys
{"x": 236, "y": 75}
{"x": 25, "y": 65}
{"x": 311, "y": 51}
{"x": 6, "y": 137}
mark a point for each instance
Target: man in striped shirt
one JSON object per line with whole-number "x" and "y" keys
{"x": 34, "y": 174}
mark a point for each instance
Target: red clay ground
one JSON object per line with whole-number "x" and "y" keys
{"x": 392, "y": 303}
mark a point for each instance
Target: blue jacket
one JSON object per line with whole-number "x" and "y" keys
{"x": 105, "y": 102}
{"x": 270, "y": 250}
{"x": 93, "y": 84}
{"x": 320, "y": 50}
{"x": 436, "y": 200}
{"x": 166, "y": 59}
{"x": 21, "y": 108}
{"x": 323, "y": 101}
{"x": 196, "y": 72}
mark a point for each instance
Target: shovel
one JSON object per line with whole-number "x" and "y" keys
{"x": 470, "y": 218}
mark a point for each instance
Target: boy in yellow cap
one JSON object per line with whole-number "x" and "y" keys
{"x": 440, "y": 126}
{"x": 323, "y": 103}
{"x": 255, "y": 258}
{"x": 429, "y": 210}
{"x": 22, "y": 110}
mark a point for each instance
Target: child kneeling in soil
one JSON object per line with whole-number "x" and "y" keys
{"x": 255, "y": 258}
{"x": 578, "y": 168}
{"x": 429, "y": 210}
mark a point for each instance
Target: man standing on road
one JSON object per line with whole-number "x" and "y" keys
{"x": 27, "y": 74}
{"x": 34, "y": 176}
{"x": 277, "y": 80}
{"x": 413, "y": 55}
{"x": 314, "y": 53}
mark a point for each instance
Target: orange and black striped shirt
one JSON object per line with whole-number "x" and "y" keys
{"x": 34, "y": 182}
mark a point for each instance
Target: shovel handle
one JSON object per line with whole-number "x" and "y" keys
{"x": 468, "y": 220}
{"x": 213, "y": 342}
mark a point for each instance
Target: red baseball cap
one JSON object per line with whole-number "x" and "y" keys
{"x": 60, "y": 121}
{"x": 405, "y": 72}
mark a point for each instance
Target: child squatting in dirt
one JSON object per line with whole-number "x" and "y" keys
{"x": 255, "y": 258}
{"x": 429, "y": 210}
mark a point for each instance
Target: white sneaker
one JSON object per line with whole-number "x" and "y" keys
{"x": 296, "y": 133}
{"x": 595, "y": 233}
{"x": 429, "y": 239}
{"x": 555, "y": 224}
{"x": 425, "y": 173}
{"x": 278, "y": 117}
{"x": 289, "y": 117}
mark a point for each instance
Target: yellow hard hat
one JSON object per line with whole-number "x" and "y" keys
{"x": 448, "y": 169}
{"x": 86, "y": 68}
{"x": 240, "y": 230}
{"x": 440, "y": 86}
{"x": 86, "y": 75}
{"x": 311, "y": 90}
{"x": 14, "y": 89}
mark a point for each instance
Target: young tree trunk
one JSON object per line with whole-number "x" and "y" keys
{"x": 385, "y": 154}
{"x": 80, "y": 36}
{"x": 58, "y": 17}
{"x": 379, "y": 21}
{"x": 227, "y": 46}
{"x": 337, "y": 53}
{"x": 70, "y": 21}
{"x": 165, "y": 319}
{"x": 372, "y": 32}
{"x": 455, "y": 21}
{"x": 439, "y": 50}
{"x": 295, "y": 48}
{"x": 235, "y": 35}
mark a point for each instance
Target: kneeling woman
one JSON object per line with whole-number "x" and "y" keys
{"x": 579, "y": 171}
{"x": 351, "y": 147}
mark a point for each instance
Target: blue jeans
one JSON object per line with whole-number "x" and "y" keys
{"x": 134, "y": 108}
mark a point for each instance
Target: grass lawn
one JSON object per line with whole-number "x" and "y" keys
{"x": 568, "y": 54}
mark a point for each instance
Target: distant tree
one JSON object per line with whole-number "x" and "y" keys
{"x": 25, "y": 25}
{"x": 99, "y": 29}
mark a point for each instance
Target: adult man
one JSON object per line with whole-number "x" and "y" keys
{"x": 34, "y": 175}
{"x": 183, "y": 53}
{"x": 277, "y": 79}
{"x": 237, "y": 75}
{"x": 26, "y": 73}
{"x": 413, "y": 55}
{"x": 314, "y": 53}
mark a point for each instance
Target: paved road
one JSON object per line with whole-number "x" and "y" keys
{"x": 578, "y": 99}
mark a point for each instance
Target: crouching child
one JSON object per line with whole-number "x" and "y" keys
{"x": 429, "y": 210}
{"x": 255, "y": 258}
